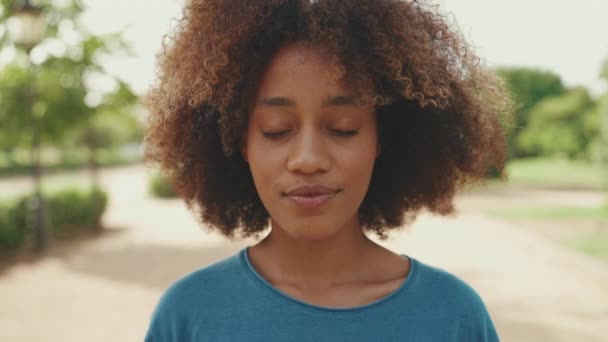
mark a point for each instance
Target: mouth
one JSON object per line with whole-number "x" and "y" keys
{"x": 311, "y": 196}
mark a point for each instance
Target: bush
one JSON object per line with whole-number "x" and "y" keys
{"x": 69, "y": 211}
{"x": 160, "y": 186}
{"x": 561, "y": 126}
{"x": 12, "y": 224}
{"x": 528, "y": 86}
{"x": 73, "y": 209}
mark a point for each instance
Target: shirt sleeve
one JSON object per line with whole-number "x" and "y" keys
{"x": 480, "y": 327}
{"x": 165, "y": 324}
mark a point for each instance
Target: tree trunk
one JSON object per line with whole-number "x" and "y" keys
{"x": 38, "y": 212}
{"x": 92, "y": 146}
{"x": 91, "y": 140}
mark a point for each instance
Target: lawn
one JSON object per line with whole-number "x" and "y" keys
{"x": 17, "y": 162}
{"x": 556, "y": 173}
{"x": 581, "y": 228}
{"x": 563, "y": 213}
{"x": 593, "y": 243}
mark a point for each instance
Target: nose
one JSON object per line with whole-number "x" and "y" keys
{"x": 309, "y": 153}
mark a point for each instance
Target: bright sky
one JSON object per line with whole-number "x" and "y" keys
{"x": 569, "y": 38}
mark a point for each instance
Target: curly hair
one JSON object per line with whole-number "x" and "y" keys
{"x": 439, "y": 109}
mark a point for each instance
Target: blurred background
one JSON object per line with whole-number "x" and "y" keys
{"x": 90, "y": 237}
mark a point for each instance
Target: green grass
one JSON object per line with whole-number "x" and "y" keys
{"x": 558, "y": 213}
{"x": 74, "y": 159}
{"x": 556, "y": 173}
{"x": 594, "y": 244}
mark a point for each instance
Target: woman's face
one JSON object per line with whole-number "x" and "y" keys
{"x": 310, "y": 148}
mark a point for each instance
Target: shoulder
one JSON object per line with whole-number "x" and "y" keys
{"x": 445, "y": 286}
{"x": 455, "y": 298}
{"x": 184, "y": 300}
{"x": 202, "y": 282}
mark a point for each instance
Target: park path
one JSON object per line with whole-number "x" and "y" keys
{"x": 104, "y": 289}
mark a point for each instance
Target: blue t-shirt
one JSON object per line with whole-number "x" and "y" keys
{"x": 230, "y": 301}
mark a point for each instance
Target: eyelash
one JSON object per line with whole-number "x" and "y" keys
{"x": 274, "y": 135}
{"x": 344, "y": 133}
{"x": 339, "y": 133}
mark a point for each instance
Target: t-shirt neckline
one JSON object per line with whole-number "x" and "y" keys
{"x": 246, "y": 263}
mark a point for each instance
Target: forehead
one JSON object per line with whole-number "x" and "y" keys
{"x": 296, "y": 64}
{"x": 300, "y": 54}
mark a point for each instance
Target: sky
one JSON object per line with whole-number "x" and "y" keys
{"x": 569, "y": 38}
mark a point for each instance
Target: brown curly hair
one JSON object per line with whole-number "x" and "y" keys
{"x": 439, "y": 109}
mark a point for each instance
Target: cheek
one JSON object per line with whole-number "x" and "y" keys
{"x": 360, "y": 157}
{"x": 359, "y": 166}
{"x": 264, "y": 166}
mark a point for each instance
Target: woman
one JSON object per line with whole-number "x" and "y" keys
{"x": 323, "y": 121}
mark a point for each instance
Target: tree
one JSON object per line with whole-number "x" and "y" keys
{"x": 561, "y": 126}
{"x": 49, "y": 97}
{"x": 527, "y": 86}
{"x": 593, "y": 130}
{"x": 602, "y": 108}
{"x": 62, "y": 103}
{"x": 604, "y": 70}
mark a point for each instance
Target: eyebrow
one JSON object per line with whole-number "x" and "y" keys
{"x": 288, "y": 102}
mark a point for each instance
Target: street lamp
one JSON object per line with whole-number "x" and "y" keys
{"x": 27, "y": 31}
{"x": 29, "y": 25}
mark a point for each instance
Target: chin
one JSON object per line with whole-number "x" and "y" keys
{"x": 311, "y": 231}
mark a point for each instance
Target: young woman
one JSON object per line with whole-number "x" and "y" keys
{"x": 321, "y": 121}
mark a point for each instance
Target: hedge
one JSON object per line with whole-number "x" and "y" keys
{"x": 68, "y": 211}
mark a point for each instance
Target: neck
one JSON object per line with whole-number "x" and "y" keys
{"x": 323, "y": 262}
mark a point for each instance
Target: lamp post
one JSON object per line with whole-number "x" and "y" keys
{"x": 29, "y": 25}
{"x": 27, "y": 31}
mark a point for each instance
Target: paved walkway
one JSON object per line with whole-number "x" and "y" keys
{"x": 105, "y": 289}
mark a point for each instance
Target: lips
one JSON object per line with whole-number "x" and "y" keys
{"x": 311, "y": 196}
{"x": 311, "y": 191}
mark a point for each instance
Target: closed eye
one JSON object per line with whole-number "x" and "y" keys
{"x": 278, "y": 134}
{"x": 337, "y": 132}
{"x": 343, "y": 133}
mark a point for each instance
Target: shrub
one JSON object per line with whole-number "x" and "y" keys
{"x": 561, "y": 126}
{"x": 160, "y": 186}
{"x": 69, "y": 211}
{"x": 74, "y": 209}
{"x": 528, "y": 86}
{"x": 12, "y": 224}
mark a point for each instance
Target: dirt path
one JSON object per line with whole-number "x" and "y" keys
{"x": 104, "y": 289}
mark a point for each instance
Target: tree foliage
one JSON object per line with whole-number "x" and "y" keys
{"x": 602, "y": 112}
{"x": 604, "y": 70}
{"x": 561, "y": 126}
{"x": 57, "y": 84}
{"x": 528, "y": 86}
